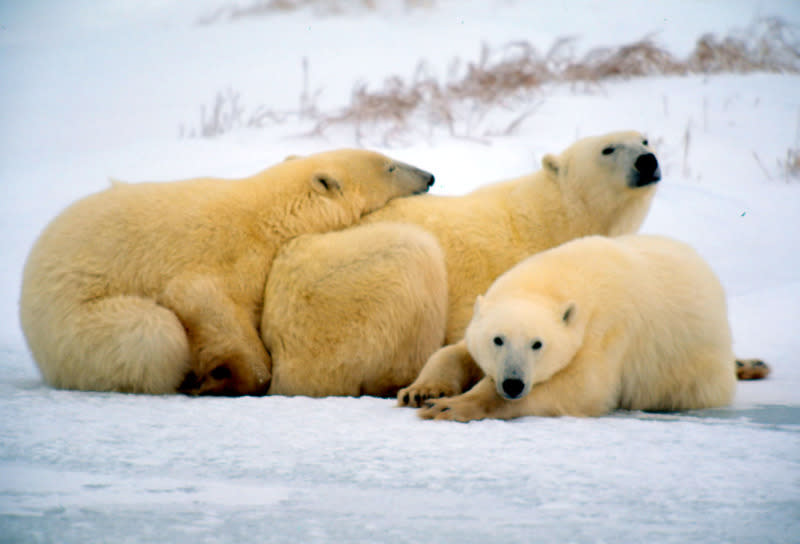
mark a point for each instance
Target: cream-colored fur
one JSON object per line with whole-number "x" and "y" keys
{"x": 635, "y": 322}
{"x": 328, "y": 290}
{"x": 599, "y": 185}
{"x": 156, "y": 287}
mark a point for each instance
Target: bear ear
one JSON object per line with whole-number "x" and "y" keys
{"x": 550, "y": 163}
{"x": 478, "y": 303}
{"x": 568, "y": 314}
{"x": 292, "y": 158}
{"x": 325, "y": 183}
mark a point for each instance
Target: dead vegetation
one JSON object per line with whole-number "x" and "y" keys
{"x": 505, "y": 80}
{"x": 262, "y": 8}
{"x": 770, "y": 45}
{"x": 226, "y": 112}
{"x": 791, "y": 165}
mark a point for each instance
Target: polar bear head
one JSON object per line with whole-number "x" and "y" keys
{"x": 614, "y": 174}
{"x": 358, "y": 180}
{"x": 522, "y": 341}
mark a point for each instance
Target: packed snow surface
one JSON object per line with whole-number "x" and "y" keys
{"x": 92, "y": 90}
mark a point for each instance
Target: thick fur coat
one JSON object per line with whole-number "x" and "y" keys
{"x": 158, "y": 287}
{"x": 635, "y": 322}
{"x": 599, "y": 185}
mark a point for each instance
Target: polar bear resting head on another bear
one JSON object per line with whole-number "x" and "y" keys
{"x": 348, "y": 313}
{"x": 158, "y": 287}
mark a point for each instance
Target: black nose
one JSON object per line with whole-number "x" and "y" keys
{"x": 646, "y": 164}
{"x": 431, "y": 180}
{"x": 513, "y": 387}
{"x": 647, "y": 167}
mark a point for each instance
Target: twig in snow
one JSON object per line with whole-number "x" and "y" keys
{"x": 761, "y": 165}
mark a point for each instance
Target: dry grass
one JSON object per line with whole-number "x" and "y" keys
{"x": 639, "y": 59}
{"x": 260, "y": 8}
{"x": 505, "y": 79}
{"x": 791, "y": 165}
{"x": 458, "y": 103}
{"x": 227, "y": 113}
{"x": 770, "y": 45}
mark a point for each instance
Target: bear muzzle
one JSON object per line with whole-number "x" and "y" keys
{"x": 512, "y": 388}
{"x": 424, "y": 179}
{"x": 511, "y": 384}
{"x": 427, "y": 179}
{"x": 646, "y": 170}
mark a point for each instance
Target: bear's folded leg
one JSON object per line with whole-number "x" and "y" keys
{"x": 480, "y": 402}
{"x": 228, "y": 357}
{"x": 450, "y": 371}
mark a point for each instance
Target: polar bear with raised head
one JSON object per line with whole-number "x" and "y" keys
{"x": 333, "y": 340}
{"x": 598, "y": 324}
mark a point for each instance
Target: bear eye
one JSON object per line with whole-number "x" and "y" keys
{"x": 497, "y": 341}
{"x": 392, "y": 168}
{"x": 645, "y": 142}
{"x": 608, "y": 150}
{"x": 536, "y": 346}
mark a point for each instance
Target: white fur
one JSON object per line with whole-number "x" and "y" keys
{"x": 145, "y": 286}
{"x": 582, "y": 191}
{"x": 635, "y": 322}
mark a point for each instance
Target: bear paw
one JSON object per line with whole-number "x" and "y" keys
{"x": 453, "y": 409}
{"x": 231, "y": 375}
{"x": 415, "y": 395}
{"x": 751, "y": 369}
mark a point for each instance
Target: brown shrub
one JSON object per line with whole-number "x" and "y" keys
{"x": 791, "y": 165}
{"x": 771, "y": 45}
{"x": 506, "y": 77}
{"x": 261, "y": 8}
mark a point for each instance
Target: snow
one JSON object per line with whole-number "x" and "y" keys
{"x": 98, "y": 89}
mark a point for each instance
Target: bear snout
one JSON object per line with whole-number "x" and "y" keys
{"x": 427, "y": 178}
{"x": 512, "y": 388}
{"x": 647, "y": 170}
{"x": 422, "y": 179}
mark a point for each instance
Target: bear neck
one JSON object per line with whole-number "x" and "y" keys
{"x": 631, "y": 213}
{"x": 285, "y": 212}
{"x": 545, "y": 217}
{"x": 543, "y": 206}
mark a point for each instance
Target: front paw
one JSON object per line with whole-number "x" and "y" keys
{"x": 416, "y": 395}
{"x": 453, "y": 409}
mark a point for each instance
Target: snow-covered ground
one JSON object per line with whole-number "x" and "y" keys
{"x": 97, "y": 89}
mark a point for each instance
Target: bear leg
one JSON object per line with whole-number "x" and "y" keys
{"x": 127, "y": 344}
{"x": 448, "y": 372}
{"x": 480, "y": 402}
{"x": 228, "y": 357}
{"x": 354, "y": 312}
{"x": 593, "y": 377}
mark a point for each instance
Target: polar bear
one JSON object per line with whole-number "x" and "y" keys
{"x": 635, "y": 322}
{"x": 599, "y": 185}
{"x": 342, "y": 298}
{"x": 158, "y": 287}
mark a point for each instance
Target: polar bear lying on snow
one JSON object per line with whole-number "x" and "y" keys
{"x": 360, "y": 311}
{"x": 158, "y": 287}
{"x": 635, "y": 322}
